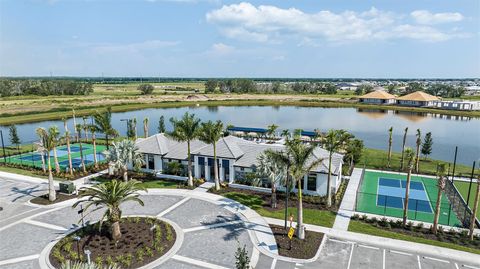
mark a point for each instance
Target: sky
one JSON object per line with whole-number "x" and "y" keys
{"x": 218, "y": 38}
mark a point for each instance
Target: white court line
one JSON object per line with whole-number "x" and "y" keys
{"x": 274, "y": 263}
{"x": 383, "y": 264}
{"x": 206, "y": 227}
{"x": 197, "y": 262}
{"x": 45, "y": 225}
{"x": 351, "y": 254}
{"x": 168, "y": 210}
{"x": 399, "y": 252}
{"x": 435, "y": 259}
{"x": 419, "y": 264}
{"x": 370, "y": 247}
{"x": 20, "y": 259}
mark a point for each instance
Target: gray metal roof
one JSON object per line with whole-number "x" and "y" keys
{"x": 227, "y": 147}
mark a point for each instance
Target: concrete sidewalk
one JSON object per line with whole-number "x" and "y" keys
{"x": 347, "y": 207}
{"x": 384, "y": 242}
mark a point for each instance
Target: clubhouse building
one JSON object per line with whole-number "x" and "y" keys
{"x": 378, "y": 96}
{"x": 236, "y": 158}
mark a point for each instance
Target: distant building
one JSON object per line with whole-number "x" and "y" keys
{"x": 418, "y": 99}
{"x": 378, "y": 96}
{"x": 458, "y": 105}
{"x": 344, "y": 86}
{"x": 472, "y": 90}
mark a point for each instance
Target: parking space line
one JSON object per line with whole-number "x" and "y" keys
{"x": 456, "y": 265}
{"x": 340, "y": 241}
{"x": 383, "y": 264}
{"x": 351, "y": 254}
{"x": 19, "y": 214}
{"x": 216, "y": 225}
{"x": 468, "y": 266}
{"x": 370, "y": 247}
{"x": 168, "y": 210}
{"x": 274, "y": 263}
{"x": 401, "y": 253}
{"x": 419, "y": 264}
{"x": 45, "y": 225}
{"x": 435, "y": 259}
{"x": 20, "y": 259}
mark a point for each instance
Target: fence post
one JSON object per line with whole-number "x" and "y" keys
{"x": 385, "y": 207}
{"x": 470, "y": 186}
{"x": 449, "y": 212}
{"x": 3, "y": 147}
{"x": 416, "y": 208}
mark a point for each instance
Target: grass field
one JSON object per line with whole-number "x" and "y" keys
{"x": 367, "y": 200}
{"x": 462, "y": 188}
{"x": 365, "y": 228}
{"x": 377, "y": 159}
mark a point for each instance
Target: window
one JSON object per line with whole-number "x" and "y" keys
{"x": 151, "y": 162}
{"x": 144, "y": 164}
{"x": 312, "y": 182}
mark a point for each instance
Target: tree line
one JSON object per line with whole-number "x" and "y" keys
{"x": 15, "y": 87}
{"x": 250, "y": 86}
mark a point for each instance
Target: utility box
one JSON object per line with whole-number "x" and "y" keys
{"x": 67, "y": 187}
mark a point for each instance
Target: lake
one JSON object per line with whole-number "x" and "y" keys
{"x": 369, "y": 125}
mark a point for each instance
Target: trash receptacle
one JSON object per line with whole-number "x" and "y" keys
{"x": 67, "y": 187}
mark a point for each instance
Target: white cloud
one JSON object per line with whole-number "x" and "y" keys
{"x": 426, "y": 17}
{"x": 222, "y": 49}
{"x": 266, "y": 23}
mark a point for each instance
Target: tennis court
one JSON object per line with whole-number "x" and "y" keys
{"x": 384, "y": 194}
{"x": 34, "y": 159}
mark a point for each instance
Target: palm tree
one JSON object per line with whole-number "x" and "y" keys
{"x": 103, "y": 123}
{"x": 271, "y": 131}
{"x": 135, "y": 129}
{"x": 210, "y": 133}
{"x": 85, "y": 128}
{"x": 47, "y": 143}
{"x": 409, "y": 156}
{"x": 441, "y": 187}
{"x": 299, "y": 159}
{"x": 79, "y": 128}
{"x": 41, "y": 150}
{"x": 69, "y": 152}
{"x": 285, "y": 133}
{"x": 419, "y": 143}
{"x": 333, "y": 141}
{"x": 55, "y": 136}
{"x": 390, "y": 141}
{"x": 145, "y": 127}
{"x": 75, "y": 124}
{"x": 111, "y": 195}
{"x": 403, "y": 148}
{"x": 122, "y": 154}
{"x": 93, "y": 129}
{"x": 274, "y": 171}
{"x": 185, "y": 130}
{"x": 475, "y": 209}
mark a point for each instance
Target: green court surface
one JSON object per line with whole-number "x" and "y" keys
{"x": 34, "y": 159}
{"x": 379, "y": 195}
{"x": 462, "y": 188}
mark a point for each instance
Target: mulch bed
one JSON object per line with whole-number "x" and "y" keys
{"x": 138, "y": 246}
{"x": 43, "y": 199}
{"x": 300, "y": 249}
{"x": 146, "y": 177}
{"x": 310, "y": 202}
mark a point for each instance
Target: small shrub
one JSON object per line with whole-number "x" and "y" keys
{"x": 109, "y": 260}
{"x": 355, "y": 217}
{"x": 99, "y": 261}
{"x": 169, "y": 233}
{"x": 242, "y": 259}
{"x": 364, "y": 217}
{"x": 139, "y": 254}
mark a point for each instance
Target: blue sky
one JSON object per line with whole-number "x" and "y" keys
{"x": 216, "y": 38}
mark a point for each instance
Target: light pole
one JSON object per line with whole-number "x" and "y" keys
{"x": 3, "y": 147}
{"x": 88, "y": 252}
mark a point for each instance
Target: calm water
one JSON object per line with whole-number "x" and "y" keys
{"x": 370, "y": 126}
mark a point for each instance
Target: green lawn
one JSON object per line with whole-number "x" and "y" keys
{"x": 377, "y": 159}
{"x": 365, "y": 228}
{"x": 310, "y": 216}
{"x": 462, "y": 187}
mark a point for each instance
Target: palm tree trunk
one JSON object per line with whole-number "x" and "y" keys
{"x": 55, "y": 158}
{"x": 190, "y": 178}
{"x": 403, "y": 150}
{"x": 215, "y": 167}
{"x": 52, "y": 196}
{"x": 106, "y": 140}
{"x": 43, "y": 162}
{"x": 69, "y": 154}
{"x": 116, "y": 232}
{"x": 274, "y": 196}
{"x": 437, "y": 212}
{"x": 474, "y": 211}
{"x": 417, "y": 159}
{"x": 84, "y": 169}
{"x": 300, "y": 230}
{"x": 407, "y": 195}
{"x": 95, "y": 161}
{"x": 329, "y": 187}
{"x": 389, "y": 151}
{"x": 125, "y": 174}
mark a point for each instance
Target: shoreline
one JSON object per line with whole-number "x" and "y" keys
{"x": 59, "y": 112}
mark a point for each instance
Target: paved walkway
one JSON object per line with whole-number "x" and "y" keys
{"x": 347, "y": 207}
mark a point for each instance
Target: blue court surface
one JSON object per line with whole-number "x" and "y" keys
{"x": 391, "y": 193}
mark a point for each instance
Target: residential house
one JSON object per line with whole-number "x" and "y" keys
{"x": 379, "y": 96}
{"x": 417, "y": 99}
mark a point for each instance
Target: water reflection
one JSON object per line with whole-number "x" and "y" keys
{"x": 412, "y": 116}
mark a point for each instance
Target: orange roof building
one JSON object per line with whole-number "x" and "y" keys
{"x": 378, "y": 97}
{"x": 418, "y": 99}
